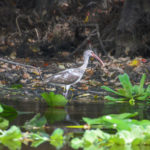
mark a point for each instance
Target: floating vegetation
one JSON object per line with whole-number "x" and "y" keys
{"x": 54, "y": 100}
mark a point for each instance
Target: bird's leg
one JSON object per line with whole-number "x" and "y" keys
{"x": 66, "y": 89}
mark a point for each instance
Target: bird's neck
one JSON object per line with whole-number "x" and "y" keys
{"x": 86, "y": 60}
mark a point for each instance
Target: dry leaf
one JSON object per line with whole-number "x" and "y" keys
{"x": 90, "y": 72}
{"x": 83, "y": 87}
{"x": 134, "y": 63}
{"x": 23, "y": 81}
{"x": 2, "y": 70}
{"x": 35, "y": 71}
{"x": 84, "y": 95}
{"x": 13, "y": 55}
{"x": 94, "y": 83}
{"x": 65, "y": 54}
{"x": 86, "y": 19}
{"x": 61, "y": 66}
{"x": 26, "y": 75}
{"x": 45, "y": 64}
{"x": 106, "y": 83}
{"x": 27, "y": 59}
{"x": 4, "y": 65}
{"x": 2, "y": 82}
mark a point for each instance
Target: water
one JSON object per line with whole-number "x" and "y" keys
{"x": 73, "y": 113}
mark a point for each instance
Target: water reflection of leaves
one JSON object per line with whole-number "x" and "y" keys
{"x": 53, "y": 115}
{"x": 37, "y": 121}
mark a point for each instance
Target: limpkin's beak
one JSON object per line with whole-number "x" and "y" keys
{"x": 95, "y": 56}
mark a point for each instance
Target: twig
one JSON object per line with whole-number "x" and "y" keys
{"x": 18, "y": 27}
{"x": 16, "y": 63}
{"x": 83, "y": 43}
{"x": 99, "y": 39}
{"x": 37, "y": 34}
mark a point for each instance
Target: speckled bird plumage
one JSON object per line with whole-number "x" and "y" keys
{"x": 71, "y": 76}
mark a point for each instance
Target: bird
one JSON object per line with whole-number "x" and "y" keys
{"x": 72, "y": 76}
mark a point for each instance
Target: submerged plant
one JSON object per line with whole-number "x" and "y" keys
{"x": 54, "y": 100}
{"x": 128, "y": 91}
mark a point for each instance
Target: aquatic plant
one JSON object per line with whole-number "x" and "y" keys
{"x": 127, "y": 133}
{"x": 128, "y": 91}
{"x": 102, "y": 132}
{"x": 54, "y": 100}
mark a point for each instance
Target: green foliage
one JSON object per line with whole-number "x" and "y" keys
{"x": 128, "y": 91}
{"x": 54, "y": 100}
{"x": 57, "y": 139}
{"x": 11, "y": 138}
{"x": 38, "y": 138}
{"x": 16, "y": 86}
{"x": 1, "y": 108}
{"x": 36, "y": 121}
{"x": 8, "y": 112}
{"x": 3, "y": 123}
{"x": 129, "y": 133}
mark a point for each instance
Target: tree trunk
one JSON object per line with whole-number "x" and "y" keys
{"x": 129, "y": 31}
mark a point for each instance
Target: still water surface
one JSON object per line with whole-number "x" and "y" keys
{"x": 72, "y": 114}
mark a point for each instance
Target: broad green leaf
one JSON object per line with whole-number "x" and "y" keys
{"x": 115, "y": 99}
{"x": 106, "y": 119}
{"x": 148, "y": 89}
{"x": 38, "y": 138}
{"x": 11, "y": 138}
{"x": 76, "y": 143}
{"x": 110, "y": 90}
{"x": 144, "y": 97}
{"x": 57, "y": 139}
{"x": 116, "y": 140}
{"x": 54, "y": 100}
{"x": 142, "y": 81}
{"x": 135, "y": 90}
{"x": 126, "y": 84}
{"x": 122, "y": 92}
{"x": 36, "y": 121}
{"x": 124, "y": 115}
{"x": 1, "y": 108}
{"x": 3, "y": 123}
{"x": 8, "y": 112}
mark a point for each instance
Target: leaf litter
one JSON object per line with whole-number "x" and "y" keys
{"x": 94, "y": 77}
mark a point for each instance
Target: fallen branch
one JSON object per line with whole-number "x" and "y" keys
{"x": 18, "y": 64}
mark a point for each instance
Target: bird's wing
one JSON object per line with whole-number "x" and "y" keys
{"x": 65, "y": 77}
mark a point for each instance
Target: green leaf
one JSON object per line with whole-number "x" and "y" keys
{"x": 76, "y": 143}
{"x": 125, "y": 81}
{"x": 11, "y": 138}
{"x": 3, "y": 123}
{"x": 1, "y": 108}
{"x": 110, "y": 120}
{"x": 122, "y": 92}
{"x": 36, "y": 121}
{"x": 54, "y": 100}
{"x": 8, "y": 112}
{"x": 16, "y": 86}
{"x": 57, "y": 139}
{"x": 110, "y": 90}
{"x": 38, "y": 138}
{"x": 142, "y": 81}
{"x": 115, "y": 99}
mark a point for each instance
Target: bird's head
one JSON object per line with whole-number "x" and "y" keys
{"x": 90, "y": 53}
